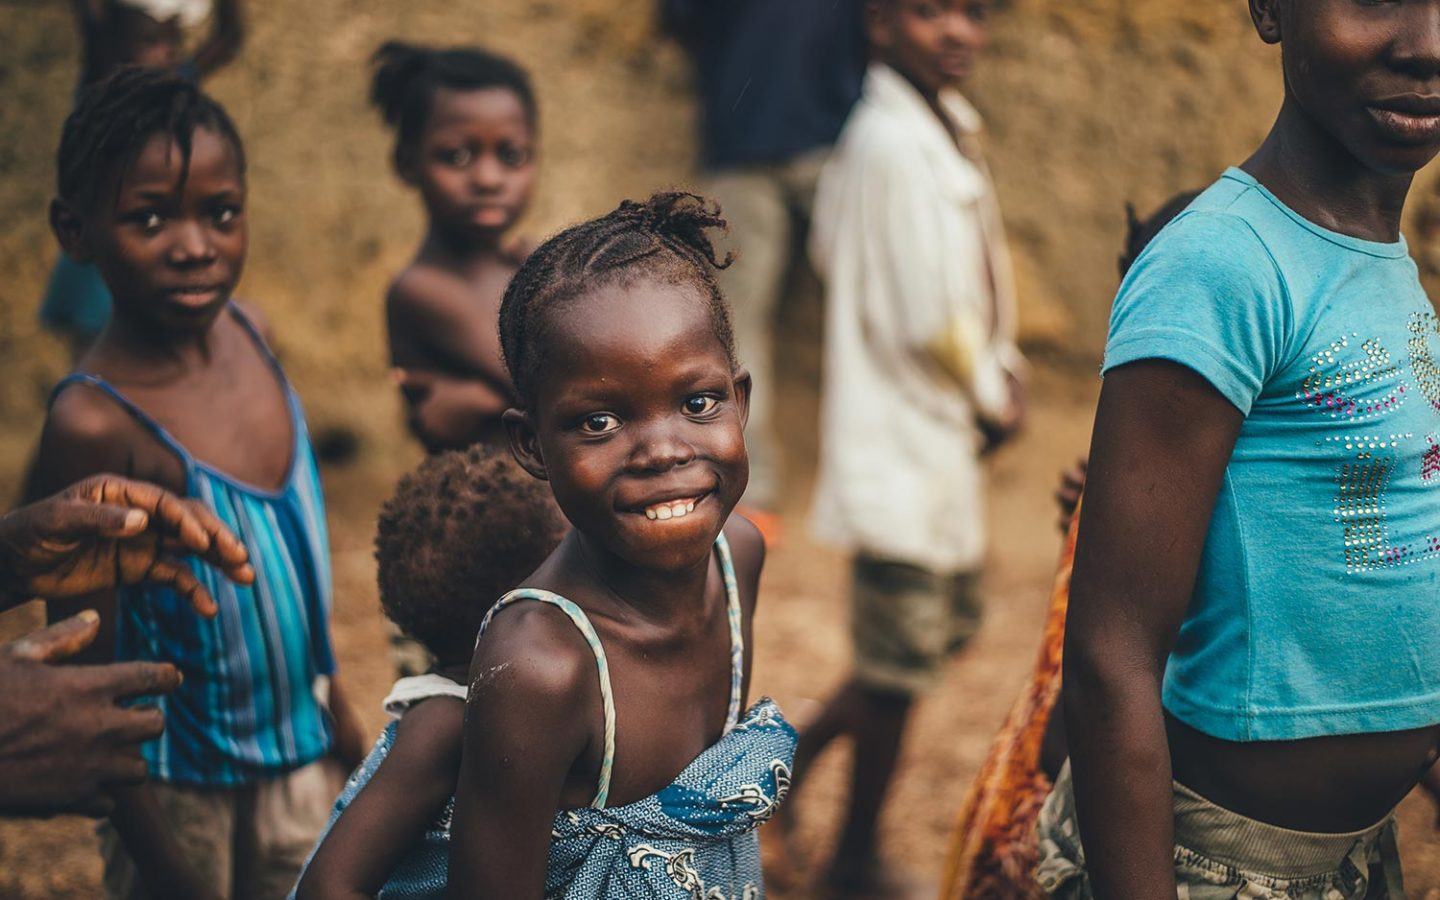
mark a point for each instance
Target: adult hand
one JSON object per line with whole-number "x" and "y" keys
{"x": 1067, "y": 495}
{"x": 999, "y": 433}
{"x": 107, "y": 532}
{"x": 63, "y": 736}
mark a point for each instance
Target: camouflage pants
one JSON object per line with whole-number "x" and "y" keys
{"x": 1220, "y": 855}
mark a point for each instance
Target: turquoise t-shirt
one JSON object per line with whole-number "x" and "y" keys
{"x": 1316, "y": 610}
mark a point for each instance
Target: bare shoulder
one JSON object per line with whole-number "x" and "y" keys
{"x": 429, "y": 735}
{"x": 257, "y": 319}
{"x": 747, "y": 549}
{"x": 421, "y": 288}
{"x": 534, "y": 655}
{"x": 86, "y": 433}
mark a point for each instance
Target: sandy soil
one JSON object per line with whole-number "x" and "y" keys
{"x": 801, "y": 655}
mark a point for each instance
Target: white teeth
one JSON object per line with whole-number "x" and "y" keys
{"x": 676, "y": 509}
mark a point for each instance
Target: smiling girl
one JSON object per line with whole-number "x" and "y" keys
{"x": 1252, "y": 661}
{"x": 605, "y": 746}
{"x": 464, "y": 125}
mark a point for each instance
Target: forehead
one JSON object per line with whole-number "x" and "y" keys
{"x": 160, "y": 164}
{"x": 647, "y": 326}
{"x": 490, "y": 107}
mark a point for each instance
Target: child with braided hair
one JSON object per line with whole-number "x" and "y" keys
{"x": 605, "y": 750}
{"x": 181, "y": 390}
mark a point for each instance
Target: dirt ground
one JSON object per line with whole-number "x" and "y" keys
{"x": 801, "y": 654}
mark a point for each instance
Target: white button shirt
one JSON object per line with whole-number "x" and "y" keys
{"x": 919, "y": 335}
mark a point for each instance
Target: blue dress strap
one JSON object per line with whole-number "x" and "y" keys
{"x": 607, "y": 697}
{"x": 136, "y": 413}
{"x": 737, "y": 633}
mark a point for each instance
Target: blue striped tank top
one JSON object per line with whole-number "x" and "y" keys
{"x": 248, "y": 707}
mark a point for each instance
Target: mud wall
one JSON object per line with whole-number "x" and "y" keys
{"x": 1090, "y": 103}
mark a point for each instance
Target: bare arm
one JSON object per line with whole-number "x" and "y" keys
{"x": 1163, "y": 437}
{"x": 224, "y": 42}
{"x": 83, "y": 436}
{"x": 523, "y": 736}
{"x": 390, "y": 814}
{"x": 460, "y": 336}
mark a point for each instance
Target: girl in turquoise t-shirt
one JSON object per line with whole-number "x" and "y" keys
{"x": 1252, "y": 672}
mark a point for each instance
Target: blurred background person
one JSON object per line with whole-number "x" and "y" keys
{"x": 776, "y": 82}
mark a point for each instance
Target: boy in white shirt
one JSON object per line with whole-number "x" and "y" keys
{"x": 921, "y": 380}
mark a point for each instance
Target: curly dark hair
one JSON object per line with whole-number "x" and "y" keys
{"x": 462, "y": 529}
{"x": 408, "y": 75}
{"x": 115, "y": 118}
{"x": 666, "y": 238}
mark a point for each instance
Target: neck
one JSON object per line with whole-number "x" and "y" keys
{"x": 1313, "y": 174}
{"x": 668, "y": 595}
{"x": 185, "y": 350}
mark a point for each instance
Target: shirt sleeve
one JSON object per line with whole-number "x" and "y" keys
{"x": 1207, "y": 295}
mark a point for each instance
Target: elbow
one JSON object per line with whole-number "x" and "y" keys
{"x": 1100, "y": 677}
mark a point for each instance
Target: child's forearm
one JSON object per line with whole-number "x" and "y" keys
{"x": 146, "y": 834}
{"x": 1120, "y": 762}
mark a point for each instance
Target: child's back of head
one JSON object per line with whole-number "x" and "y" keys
{"x": 460, "y": 530}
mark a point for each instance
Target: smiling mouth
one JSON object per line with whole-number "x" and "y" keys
{"x": 677, "y": 508}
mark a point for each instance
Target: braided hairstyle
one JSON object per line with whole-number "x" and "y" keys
{"x": 664, "y": 238}
{"x": 460, "y": 530}
{"x": 407, "y": 77}
{"x": 117, "y": 116}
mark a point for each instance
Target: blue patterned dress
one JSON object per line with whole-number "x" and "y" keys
{"x": 696, "y": 838}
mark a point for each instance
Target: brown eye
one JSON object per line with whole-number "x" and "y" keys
{"x": 700, "y": 404}
{"x": 599, "y": 423}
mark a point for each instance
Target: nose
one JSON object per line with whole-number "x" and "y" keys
{"x": 659, "y": 448}
{"x": 487, "y": 174}
{"x": 962, "y": 30}
{"x": 192, "y": 245}
{"x": 1417, "y": 44}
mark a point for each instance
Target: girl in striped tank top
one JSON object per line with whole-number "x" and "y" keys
{"x": 181, "y": 390}
{"x": 605, "y": 751}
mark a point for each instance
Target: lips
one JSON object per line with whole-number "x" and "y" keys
{"x": 197, "y": 295}
{"x": 1408, "y": 118}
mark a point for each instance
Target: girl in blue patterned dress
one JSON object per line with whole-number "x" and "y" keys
{"x": 605, "y": 751}
{"x": 460, "y": 529}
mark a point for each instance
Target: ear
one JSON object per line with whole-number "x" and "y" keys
{"x": 742, "y": 394}
{"x": 1266, "y": 16}
{"x": 525, "y": 443}
{"x": 69, "y": 229}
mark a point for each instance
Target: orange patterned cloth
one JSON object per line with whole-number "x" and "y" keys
{"x": 993, "y": 850}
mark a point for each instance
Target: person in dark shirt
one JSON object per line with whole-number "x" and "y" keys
{"x": 775, "y": 82}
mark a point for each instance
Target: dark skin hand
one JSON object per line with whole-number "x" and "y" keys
{"x": 390, "y": 814}
{"x": 474, "y": 166}
{"x": 64, "y": 740}
{"x": 107, "y": 531}
{"x": 171, "y": 253}
{"x": 640, "y": 409}
{"x": 1358, "y": 120}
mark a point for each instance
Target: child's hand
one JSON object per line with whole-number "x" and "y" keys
{"x": 351, "y": 744}
{"x": 1067, "y": 496}
{"x": 998, "y": 433}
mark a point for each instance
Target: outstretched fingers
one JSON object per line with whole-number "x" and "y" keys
{"x": 59, "y": 641}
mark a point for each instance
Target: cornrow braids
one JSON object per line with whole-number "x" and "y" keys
{"x": 408, "y": 75}
{"x": 114, "y": 119}
{"x": 459, "y": 531}
{"x": 665, "y": 237}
